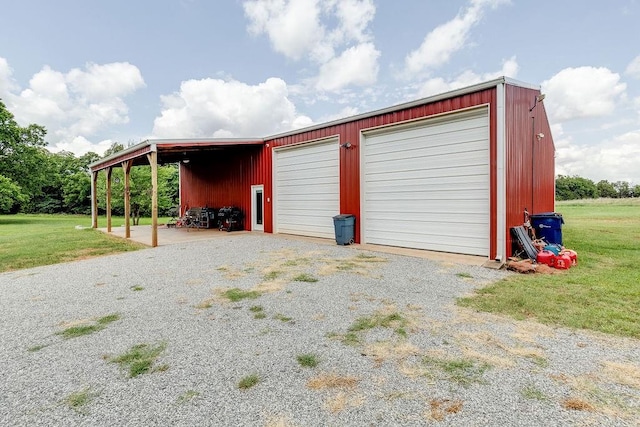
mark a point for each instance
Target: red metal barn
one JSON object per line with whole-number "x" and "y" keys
{"x": 451, "y": 172}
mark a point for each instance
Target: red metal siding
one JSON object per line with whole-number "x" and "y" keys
{"x": 224, "y": 179}
{"x": 350, "y": 158}
{"x": 530, "y": 164}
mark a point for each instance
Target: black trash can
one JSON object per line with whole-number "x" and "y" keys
{"x": 548, "y": 226}
{"x": 345, "y": 228}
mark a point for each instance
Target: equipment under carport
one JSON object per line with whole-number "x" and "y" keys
{"x": 230, "y": 218}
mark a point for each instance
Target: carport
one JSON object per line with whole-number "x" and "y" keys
{"x": 154, "y": 152}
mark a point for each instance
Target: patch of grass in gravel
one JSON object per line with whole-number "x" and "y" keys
{"x": 533, "y": 393}
{"x": 295, "y": 262}
{"x": 281, "y": 317}
{"x": 105, "y": 320}
{"x": 393, "y": 320}
{"x": 462, "y": 371}
{"x": 78, "y": 400}
{"x": 248, "y": 381}
{"x": 237, "y": 294}
{"x": 271, "y": 275}
{"x": 258, "y": 312}
{"x": 350, "y": 338}
{"x": 80, "y": 330}
{"x": 308, "y": 360}
{"x": 37, "y": 348}
{"x": 137, "y": 288}
{"x": 187, "y": 396}
{"x": 464, "y": 275}
{"x": 140, "y": 358}
{"x": 305, "y": 278}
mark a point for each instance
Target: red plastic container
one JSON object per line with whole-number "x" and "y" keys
{"x": 563, "y": 262}
{"x": 572, "y": 254}
{"x": 546, "y": 257}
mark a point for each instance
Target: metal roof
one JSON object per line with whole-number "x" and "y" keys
{"x": 203, "y": 143}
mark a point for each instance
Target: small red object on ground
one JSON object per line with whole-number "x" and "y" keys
{"x": 572, "y": 254}
{"x": 563, "y": 262}
{"x": 546, "y": 257}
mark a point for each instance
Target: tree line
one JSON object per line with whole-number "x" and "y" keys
{"x": 575, "y": 188}
{"x": 35, "y": 180}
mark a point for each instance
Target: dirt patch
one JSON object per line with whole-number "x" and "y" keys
{"x": 332, "y": 381}
{"x": 440, "y": 408}
{"x": 623, "y": 373}
{"x": 341, "y": 401}
{"x": 383, "y": 351}
{"x": 576, "y": 404}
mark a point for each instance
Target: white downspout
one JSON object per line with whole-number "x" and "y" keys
{"x": 501, "y": 185}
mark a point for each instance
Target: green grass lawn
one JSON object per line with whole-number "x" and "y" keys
{"x": 602, "y": 293}
{"x": 33, "y": 240}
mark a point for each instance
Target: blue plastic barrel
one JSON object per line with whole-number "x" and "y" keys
{"x": 548, "y": 226}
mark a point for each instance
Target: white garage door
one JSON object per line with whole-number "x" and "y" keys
{"x": 426, "y": 185}
{"x": 307, "y": 189}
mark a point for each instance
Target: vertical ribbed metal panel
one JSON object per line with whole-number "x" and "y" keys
{"x": 530, "y": 168}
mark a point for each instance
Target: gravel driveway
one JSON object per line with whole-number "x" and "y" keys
{"x": 388, "y": 343}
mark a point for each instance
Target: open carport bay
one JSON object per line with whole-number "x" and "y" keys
{"x": 392, "y": 348}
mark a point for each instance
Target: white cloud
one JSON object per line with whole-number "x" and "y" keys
{"x": 73, "y": 106}
{"x": 616, "y": 159}
{"x": 218, "y": 108}
{"x": 357, "y": 65}
{"x": 582, "y": 92}
{"x": 7, "y": 85}
{"x": 437, "y": 85}
{"x": 299, "y": 29}
{"x": 633, "y": 69}
{"x": 443, "y": 41}
{"x": 81, "y": 145}
{"x": 293, "y": 26}
{"x": 354, "y": 17}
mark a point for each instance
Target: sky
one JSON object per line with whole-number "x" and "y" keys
{"x": 94, "y": 73}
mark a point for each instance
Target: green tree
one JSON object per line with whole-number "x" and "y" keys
{"x": 22, "y": 156}
{"x": 575, "y": 187}
{"x": 623, "y": 188}
{"x": 606, "y": 189}
{"x": 10, "y": 195}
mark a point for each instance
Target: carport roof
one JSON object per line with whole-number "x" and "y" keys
{"x": 171, "y": 150}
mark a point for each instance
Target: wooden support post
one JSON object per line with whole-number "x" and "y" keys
{"x": 109, "y": 170}
{"x": 153, "y": 161}
{"x": 94, "y": 199}
{"x": 126, "y": 167}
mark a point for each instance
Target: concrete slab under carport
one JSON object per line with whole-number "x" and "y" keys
{"x": 169, "y": 236}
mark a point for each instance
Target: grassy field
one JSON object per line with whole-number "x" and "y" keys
{"x": 33, "y": 240}
{"x": 602, "y": 293}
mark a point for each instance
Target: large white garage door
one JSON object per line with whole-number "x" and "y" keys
{"x": 426, "y": 185}
{"x": 307, "y": 189}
